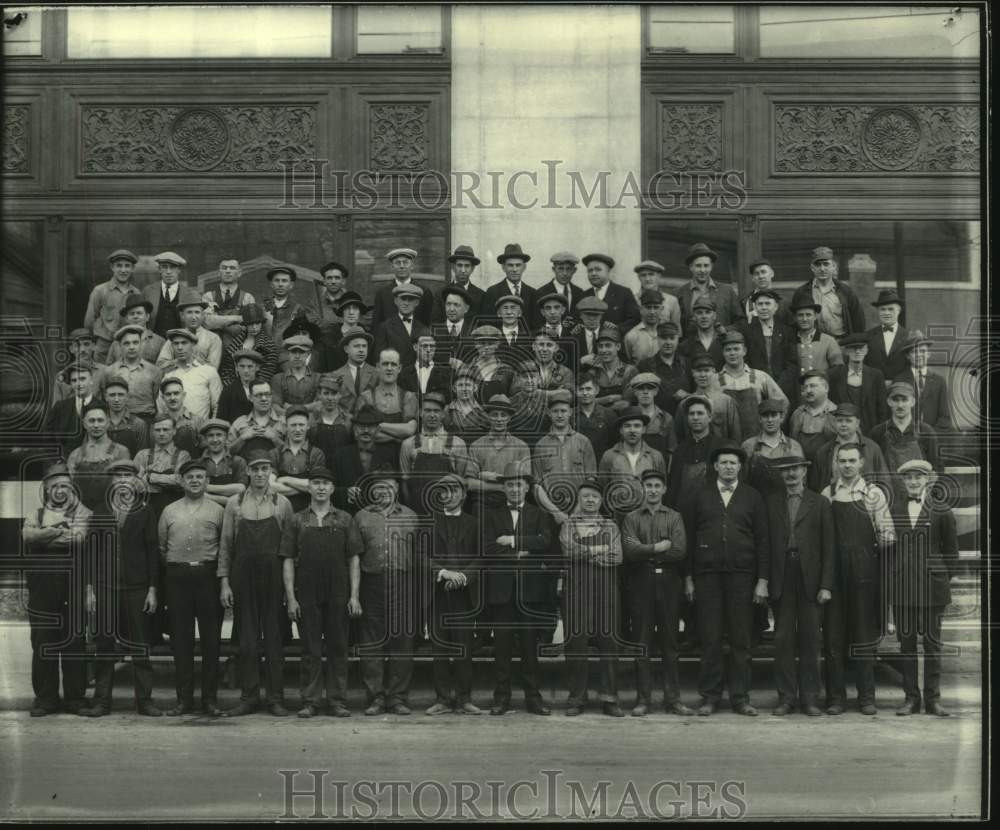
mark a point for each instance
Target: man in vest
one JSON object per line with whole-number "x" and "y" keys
{"x": 223, "y": 303}
{"x": 165, "y": 294}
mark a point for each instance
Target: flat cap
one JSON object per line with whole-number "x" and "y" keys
{"x": 733, "y": 336}
{"x": 667, "y": 329}
{"x": 214, "y": 423}
{"x": 407, "y": 289}
{"x": 123, "y": 465}
{"x": 282, "y": 269}
{"x": 916, "y": 339}
{"x": 509, "y": 298}
{"x": 916, "y": 465}
{"x": 564, "y": 256}
{"x": 703, "y": 302}
{"x": 693, "y": 399}
{"x": 591, "y": 304}
{"x": 645, "y": 379}
{"x": 296, "y": 409}
{"x": 756, "y": 263}
{"x": 650, "y": 265}
{"x": 171, "y": 257}
{"x": 553, "y": 296}
{"x": 183, "y": 334}
{"x": 123, "y": 253}
{"x": 395, "y": 252}
{"x": 134, "y": 301}
{"x": 140, "y": 330}
{"x": 486, "y": 333}
{"x": 331, "y": 381}
{"x": 590, "y": 483}
{"x": 170, "y": 380}
{"x": 822, "y": 252}
{"x": 116, "y": 380}
{"x": 703, "y": 361}
{"x": 771, "y": 406}
{"x": 368, "y": 416}
{"x": 846, "y": 410}
{"x": 609, "y": 333}
{"x": 699, "y": 249}
{"x": 607, "y": 260}
{"x": 57, "y": 469}
{"x": 499, "y": 402}
{"x": 319, "y": 472}
{"x": 766, "y": 292}
{"x": 812, "y": 373}
{"x": 298, "y": 342}
{"x": 785, "y": 461}
{"x": 258, "y": 456}
{"x": 81, "y": 334}
{"x": 354, "y": 334}
{"x": 249, "y": 354}
{"x": 650, "y": 297}
{"x": 648, "y": 474}
{"x": 855, "y": 338}
{"x": 560, "y": 396}
{"x": 900, "y": 387}
{"x": 434, "y": 397}
{"x": 192, "y": 464}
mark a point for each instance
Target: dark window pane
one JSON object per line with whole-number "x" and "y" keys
{"x": 668, "y": 241}
{"x": 21, "y": 280}
{"x": 374, "y": 238}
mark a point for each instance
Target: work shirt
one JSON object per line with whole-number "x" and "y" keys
{"x": 334, "y": 519}
{"x": 646, "y": 526}
{"x": 248, "y": 506}
{"x": 149, "y": 350}
{"x": 227, "y": 465}
{"x": 130, "y": 431}
{"x": 103, "y": 314}
{"x": 288, "y": 461}
{"x": 642, "y": 343}
{"x": 143, "y": 384}
{"x": 570, "y": 452}
{"x": 831, "y": 317}
{"x": 492, "y": 453}
{"x": 202, "y": 388}
{"x": 594, "y": 540}
{"x": 777, "y": 447}
{"x": 434, "y": 443}
{"x": 161, "y": 460}
{"x": 73, "y": 522}
{"x": 274, "y": 422}
{"x": 390, "y": 538}
{"x": 288, "y": 390}
{"x": 207, "y": 350}
{"x": 761, "y": 382}
{"x": 817, "y": 352}
{"x": 189, "y": 532}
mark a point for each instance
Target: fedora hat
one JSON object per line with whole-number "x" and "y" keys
{"x": 700, "y": 249}
{"x": 887, "y": 296}
{"x": 512, "y": 250}
{"x": 464, "y": 252}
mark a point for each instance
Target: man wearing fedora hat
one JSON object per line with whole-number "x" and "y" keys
{"x": 207, "y": 344}
{"x": 513, "y": 261}
{"x": 699, "y": 260}
{"x": 651, "y": 276}
{"x": 163, "y": 294}
{"x": 932, "y": 401}
{"x": 281, "y": 308}
{"x": 800, "y": 584}
{"x": 384, "y": 306}
{"x": 135, "y": 311}
{"x": 463, "y": 262}
{"x": 106, "y": 300}
{"x": 454, "y": 330}
{"x": 623, "y": 310}
{"x": 357, "y": 374}
{"x": 887, "y": 341}
{"x": 56, "y": 531}
{"x": 564, "y": 264}
{"x": 222, "y": 313}
{"x": 728, "y": 568}
{"x": 840, "y": 309}
{"x": 490, "y": 455}
{"x": 857, "y": 383}
{"x": 403, "y": 328}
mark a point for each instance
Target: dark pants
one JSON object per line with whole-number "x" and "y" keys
{"x": 796, "y": 635}
{"x": 850, "y": 630}
{"x": 725, "y": 606}
{"x": 388, "y": 629}
{"x": 123, "y": 627}
{"x": 593, "y": 613}
{"x": 194, "y": 594}
{"x": 260, "y": 612}
{"x": 912, "y": 620}
{"x": 526, "y": 623}
{"x": 655, "y": 604}
{"x": 55, "y": 640}
{"x": 451, "y": 615}
{"x": 324, "y": 626}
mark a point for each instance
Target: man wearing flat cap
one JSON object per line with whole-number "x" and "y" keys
{"x": 847, "y": 421}
{"x": 141, "y": 377}
{"x": 202, "y": 384}
{"x": 771, "y": 343}
{"x": 227, "y": 473}
{"x": 107, "y": 299}
{"x": 136, "y": 311}
{"x": 761, "y": 279}
{"x": 669, "y": 366}
{"x": 840, "y": 309}
{"x": 801, "y": 583}
{"x": 490, "y": 455}
{"x": 622, "y": 309}
{"x": 357, "y": 374}
{"x": 728, "y": 569}
{"x": 430, "y": 454}
{"x": 702, "y": 334}
{"x": 207, "y": 344}
{"x": 745, "y": 385}
{"x": 513, "y": 262}
{"x": 700, "y": 260}
{"x": 887, "y": 341}
{"x": 564, "y": 265}
{"x": 811, "y": 422}
{"x": 321, "y": 568}
{"x": 621, "y": 467}
{"x": 188, "y": 532}
{"x": 124, "y": 427}
{"x": 903, "y": 438}
{"x": 642, "y": 342}
{"x": 816, "y": 350}
{"x": 922, "y": 563}
{"x": 384, "y": 306}
{"x": 403, "y": 328}
{"x": 859, "y": 384}
{"x": 298, "y": 384}
{"x": 651, "y": 276}
{"x": 765, "y": 446}
{"x": 590, "y": 311}
{"x": 463, "y": 262}
{"x": 164, "y": 294}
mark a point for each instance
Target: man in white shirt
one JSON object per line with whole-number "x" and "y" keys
{"x": 208, "y": 345}
{"x": 202, "y": 385}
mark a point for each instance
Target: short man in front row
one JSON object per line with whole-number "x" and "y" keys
{"x": 322, "y": 575}
{"x": 728, "y": 570}
{"x": 654, "y": 546}
{"x": 257, "y": 525}
{"x": 924, "y": 559}
{"x": 801, "y": 527}
{"x": 516, "y": 538}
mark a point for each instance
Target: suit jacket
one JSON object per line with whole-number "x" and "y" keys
{"x": 783, "y": 364}
{"x": 934, "y": 405}
{"x": 391, "y": 334}
{"x": 476, "y": 309}
{"x": 152, "y": 293}
{"x": 460, "y": 345}
{"x": 233, "y": 402}
{"x": 892, "y": 364}
{"x": 575, "y": 295}
{"x": 783, "y": 315}
{"x": 369, "y": 378}
{"x": 347, "y": 471}
{"x": 137, "y": 556}
{"x": 623, "y": 310}
{"x": 463, "y": 556}
{"x": 690, "y": 347}
{"x": 814, "y": 537}
{"x": 384, "y": 305}
{"x": 439, "y": 380}
{"x": 728, "y": 540}
{"x": 509, "y": 579}
{"x": 874, "y": 408}
{"x": 530, "y": 314}
{"x": 64, "y": 425}
{"x": 854, "y": 314}
{"x": 924, "y": 557}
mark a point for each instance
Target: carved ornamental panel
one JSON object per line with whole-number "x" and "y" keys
{"x": 17, "y": 139}
{"x": 398, "y": 136}
{"x": 690, "y": 136}
{"x": 852, "y": 138}
{"x": 204, "y": 139}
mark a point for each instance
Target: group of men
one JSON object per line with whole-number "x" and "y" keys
{"x": 439, "y": 465}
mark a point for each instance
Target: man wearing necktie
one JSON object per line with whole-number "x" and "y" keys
{"x": 64, "y": 418}
{"x": 933, "y": 403}
{"x": 402, "y": 329}
{"x": 463, "y": 262}
{"x": 513, "y": 261}
{"x": 887, "y": 341}
{"x": 164, "y": 294}
{"x": 564, "y": 265}
{"x": 225, "y": 301}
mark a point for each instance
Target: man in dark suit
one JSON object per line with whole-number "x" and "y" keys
{"x": 354, "y": 461}
{"x": 235, "y": 398}
{"x": 887, "y": 341}
{"x": 357, "y": 374}
{"x": 924, "y": 559}
{"x": 402, "y": 329}
{"x": 427, "y": 374}
{"x": 513, "y": 261}
{"x": 165, "y": 294}
{"x": 463, "y": 263}
{"x": 728, "y": 572}
{"x": 933, "y": 403}
{"x": 516, "y": 540}
{"x": 563, "y": 267}
{"x": 770, "y": 343}
{"x": 761, "y": 277}
{"x": 859, "y": 384}
{"x": 454, "y": 574}
{"x": 63, "y": 420}
{"x": 623, "y": 310}
{"x": 801, "y": 532}
{"x": 454, "y": 333}
{"x": 384, "y": 306}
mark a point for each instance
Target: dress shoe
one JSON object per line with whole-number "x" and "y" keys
{"x": 745, "y": 709}
{"x": 868, "y": 709}
{"x": 783, "y": 709}
{"x": 211, "y": 710}
{"x": 935, "y": 708}
{"x": 469, "y": 708}
{"x": 338, "y": 710}
{"x": 911, "y": 706}
{"x": 678, "y": 708}
{"x": 400, "y": 709}
{"x": 42, "y": 711}
{"x": 500, "y": 707}
{"x": 835, "y": 709}
{"x": 613, "y": 710}
{"x": 640, "y": 710}
{"x": 180, "y": 709}
{"x": 438, "y": 709}
{"x": 573, "y": 711}
{"x": 244, "y": 707}
{"x": 812, "y": 710}
{"x": 376, "y": 708}
{"x": 307, "y": 711}
{"x": 707, "y": 708}
{"x": 73, "y": 707}
{"x": 277, "y": 709}
{"x": 149, "y": 709}
{"x": 98, "y": 710}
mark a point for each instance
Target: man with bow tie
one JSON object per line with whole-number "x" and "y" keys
{"x": 402, "y": 329}
{"x": 887, "y": 341}
{"x": 427, "y": 374}
{"x": 384, "y": 304}
{"x": 924, "y": 559}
